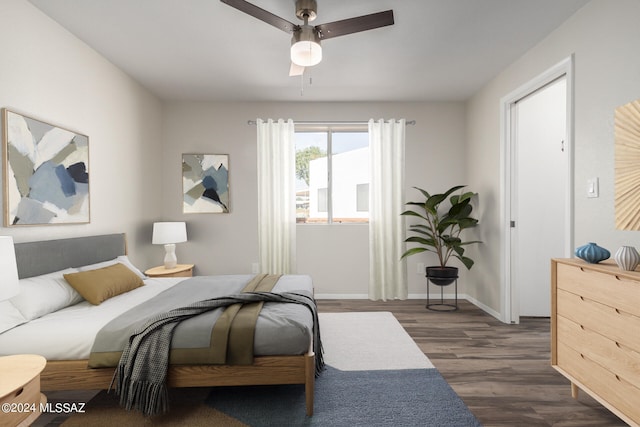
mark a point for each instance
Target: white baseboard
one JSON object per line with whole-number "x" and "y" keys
{"x": 341, "y": 296}
{"x": 466, "y": 297}
{"x": 365, "y": 296}
{"x": 483, "y": 307}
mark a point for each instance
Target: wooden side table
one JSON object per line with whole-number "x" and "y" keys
{"x": 180, "y": 270}
{"x": 20, "y": 397}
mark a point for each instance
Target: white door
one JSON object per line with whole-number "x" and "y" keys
{"x": 540, "y": 194}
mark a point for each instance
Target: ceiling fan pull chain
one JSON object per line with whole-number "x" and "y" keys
{"x": 310, "y": 76}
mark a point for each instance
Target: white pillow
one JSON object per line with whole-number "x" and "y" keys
{"x": 45, "y": 294}
{"x": 10, "y": 316}
{"x": 122, "y": 259}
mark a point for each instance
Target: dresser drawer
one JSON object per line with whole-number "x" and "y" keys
{"x": 602, "y": 319}
{"x": 621, "y": 396}
{"x": 612, "y": 356}
{"x": 614, "y": 290}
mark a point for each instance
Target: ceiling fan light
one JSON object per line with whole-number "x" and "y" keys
{"x": 305, "y": 47}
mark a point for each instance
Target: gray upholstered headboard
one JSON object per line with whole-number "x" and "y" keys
{"x": 36, "y": 258}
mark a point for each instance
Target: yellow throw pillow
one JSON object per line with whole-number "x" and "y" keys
{"x": 103, "y": 283}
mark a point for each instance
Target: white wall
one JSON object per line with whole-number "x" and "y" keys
{"x": 136, "y": 143}
{"x": 604, "y": 37}
{"x": 335, "y": 256}
{"x": 48, "y": 74}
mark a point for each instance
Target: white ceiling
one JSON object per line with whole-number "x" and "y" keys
{"x": 206, "y": 50}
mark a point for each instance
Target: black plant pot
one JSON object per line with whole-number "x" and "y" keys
{"x": 442, "y": 276}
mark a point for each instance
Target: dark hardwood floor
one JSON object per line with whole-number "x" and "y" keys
{"x": 502, "y": 372}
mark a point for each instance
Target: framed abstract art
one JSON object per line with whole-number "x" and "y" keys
{"x": 205, "y": 183}
{"x": 46, "y": 172}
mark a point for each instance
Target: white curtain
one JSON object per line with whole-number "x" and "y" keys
{"x": 387, "y": 273}
{"x": 276, "y": 197}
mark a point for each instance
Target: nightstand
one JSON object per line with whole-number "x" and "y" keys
{"x": 20, "y": 397}
{"x": 180, "y": 270}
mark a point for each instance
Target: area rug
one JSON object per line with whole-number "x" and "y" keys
{"x": 376, "y": 375}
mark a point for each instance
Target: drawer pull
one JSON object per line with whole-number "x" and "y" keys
{"x": 617, "y": 377}
{"x": 582, "y": 327}
{"x": 617, "y": 311}
{"x": 581, "y": 298}
{"x": 19, "y": 392}
{"x": 618, "y": 344}
{"x": 617, "y": 277}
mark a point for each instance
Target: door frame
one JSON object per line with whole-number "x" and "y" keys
{"x": 509, "y": 309}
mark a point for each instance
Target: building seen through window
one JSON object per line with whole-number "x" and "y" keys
{"x": 332, "y": 171}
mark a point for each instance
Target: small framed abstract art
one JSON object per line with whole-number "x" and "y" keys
{"x": 46, "y": 172}
{"x": 205, "y": 183}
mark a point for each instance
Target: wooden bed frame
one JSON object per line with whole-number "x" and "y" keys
{"x": 35, "y": 258}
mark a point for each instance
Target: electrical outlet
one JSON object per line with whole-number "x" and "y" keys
{"x": 420, "y": 268}
{"x": 255, "y": 267}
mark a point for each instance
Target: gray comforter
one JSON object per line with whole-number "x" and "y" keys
{"x": 281, "y": 329}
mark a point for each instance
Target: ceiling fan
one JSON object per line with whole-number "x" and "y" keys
{"x": 305, "y": 42}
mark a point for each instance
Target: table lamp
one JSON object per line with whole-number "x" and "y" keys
{"x": 168, "y": 234}
{"x": 9, "y": 285}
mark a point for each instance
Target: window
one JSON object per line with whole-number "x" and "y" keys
{"x": 332, "y": 170}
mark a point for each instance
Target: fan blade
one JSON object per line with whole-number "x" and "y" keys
{"x": 355, "y": 25}
{"x": 296, "y": 70}
{"x": 261, "y": 14}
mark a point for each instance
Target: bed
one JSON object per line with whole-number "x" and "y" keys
{"x": 67, "y": 368}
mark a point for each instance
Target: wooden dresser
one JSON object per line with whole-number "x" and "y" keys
{"x": 595, "y": 332}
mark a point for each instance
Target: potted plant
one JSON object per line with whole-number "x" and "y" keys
{"x": 439, "y": 231}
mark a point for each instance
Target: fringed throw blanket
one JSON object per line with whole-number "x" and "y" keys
{"x": 140, "y": 378}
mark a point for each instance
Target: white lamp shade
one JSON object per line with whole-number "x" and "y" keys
{"x": 305, "y": 47}
{"x": 169, "y": 232}
{"x": 9, "y": 285}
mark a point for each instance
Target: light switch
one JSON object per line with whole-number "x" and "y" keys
{"x": 592, "y": 188}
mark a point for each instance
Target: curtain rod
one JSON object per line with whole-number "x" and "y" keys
{"x": 408, "y": 122}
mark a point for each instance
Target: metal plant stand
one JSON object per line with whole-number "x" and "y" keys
{"x": 442, "y": 306}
